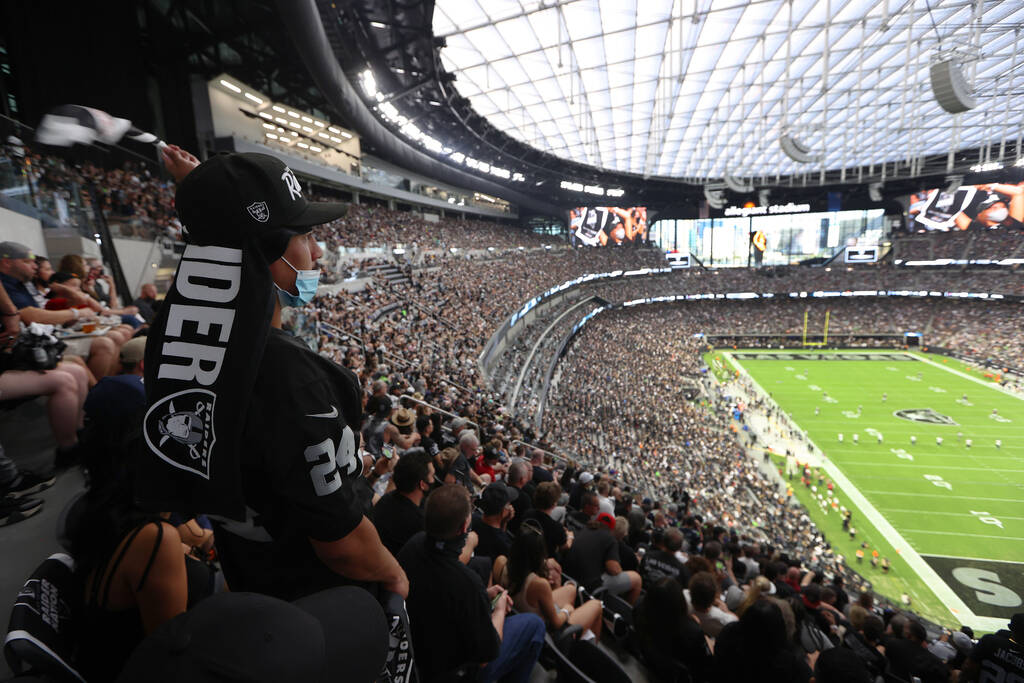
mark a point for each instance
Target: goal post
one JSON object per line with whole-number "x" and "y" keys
{"x": 824, "y": 332}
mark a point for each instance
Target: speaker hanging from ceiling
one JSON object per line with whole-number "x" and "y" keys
{"x": 950, "y": 87}
{"x": 875, "y": 191}
{"x": 715, "y": 196}
{"x": 737, "y": 185}
{"x": 797, "y": 151}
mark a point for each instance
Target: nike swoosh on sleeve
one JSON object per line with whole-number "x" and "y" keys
{"x": 332, "y": 414}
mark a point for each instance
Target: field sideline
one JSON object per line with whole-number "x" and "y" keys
{"x": 947, "y": 514}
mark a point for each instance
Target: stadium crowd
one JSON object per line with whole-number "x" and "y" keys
{"x": 705, "y": 571}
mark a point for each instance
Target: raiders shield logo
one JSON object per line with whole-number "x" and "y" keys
{"x": 179, "y": 429}
{"x": 925, "y": 415}
{"x": 259, "y": 211}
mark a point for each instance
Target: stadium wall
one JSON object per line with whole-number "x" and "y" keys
{"x": 15, "y": 227}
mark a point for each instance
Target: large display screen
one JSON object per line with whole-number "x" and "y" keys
{"x": 969, "y": 207}
{"x": 598, "y": 226}
{"x": 769, "y": 240}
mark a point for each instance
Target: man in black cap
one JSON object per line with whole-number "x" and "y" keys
{"x": 491, "y": 528}
{"x": 998, "y": 656}
{"x": 245, "y": 423}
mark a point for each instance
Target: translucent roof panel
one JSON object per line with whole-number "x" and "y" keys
{"x": 699, "y": 89}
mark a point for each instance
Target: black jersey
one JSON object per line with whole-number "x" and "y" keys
{"x": 299, "y": 470}
{"x": 1000, "y": 658}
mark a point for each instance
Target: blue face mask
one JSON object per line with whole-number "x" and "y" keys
{"x": 306, "y": 281}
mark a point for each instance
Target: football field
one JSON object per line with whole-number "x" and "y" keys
{"x": 929, "y": 455}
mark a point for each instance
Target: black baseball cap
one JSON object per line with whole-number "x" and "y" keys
{"x": 233, "y": 636}
{"x": 258, "y": 638}
{"x": 496, "y": 496}
{"x": 232, "y": 197}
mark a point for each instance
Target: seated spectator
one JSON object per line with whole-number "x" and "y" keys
{"x": 458, "y": 466}
{"x": 556, "y": 539}
{"x": 810, "y": 635}
{"x": 487, "y": 465}
{"x": 492, "y": 526}
{"x": 118, "y": 394}
{"x": 65, "y": 386}
{"x": 451, "y": 438}
{"x": 541, "y": 473}
{"x": 454, "y": 629}
{"x": 132, "y": 563}
{"x": 518, "y": 477}
{"x": 593, "y": 561}
{"x": 660, "y": 562}
{"x": 627, "y": 556}
{"x": 589, "y": 508}
{"x": 839, "y": 665}
{"x": 707, "y": 604}
{"x": 1000, "y": 655}
{"x": 864, "y": 642}
{"x": 668, "y": 633}
{"x": 532, "y": 592}
{"x": 909, "y": 656}
{"x": 39, "y": 285}
{"x": 755, "y": 648}
{"x": 425, "y": 427}
{"x": 66, "y": 291}
{"x": 604, "y": 502}
{"x": 583, "y": 483}
{"x": 398, "y": 515}
{"x": 17, "y": 268}
{"x": 147, "y": 303}
{"x": 382, "y": 432}
{"x": 404, "y": 436}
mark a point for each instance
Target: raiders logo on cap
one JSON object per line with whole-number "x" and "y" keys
{"x": 179, "y": 429}
{"x": 259, "y": 211}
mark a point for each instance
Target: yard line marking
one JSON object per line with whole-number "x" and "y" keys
{"x": 934, "y": 466}
{"x": 942, "y": 495}
{"x": 958, "y": 533}
{"x": 951, "y": 514}
{"x": 979, "y": 559}
{"x": 961, "y": 483}
{"x": 983, "y": 383}
{"x": 929, "y": 576}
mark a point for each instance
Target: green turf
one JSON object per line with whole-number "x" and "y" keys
{"x": 935, "y": 519}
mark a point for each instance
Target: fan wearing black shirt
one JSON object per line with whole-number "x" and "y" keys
{"x": 909, "y": 656}
{"x": 545, "y": 500}
{"x": 593, "y": 560}
{"x": 454, "y": 628}
{"x": 425, "y": 428}
{"x": 293, "y": 524}
{"x": 661, "y": 562}
{"x": 398, "y": 515}
{"x": 998, "y": 656}
{"x": 496, "y": 505}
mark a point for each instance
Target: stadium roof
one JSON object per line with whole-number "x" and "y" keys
{"x": 699, "y": 89}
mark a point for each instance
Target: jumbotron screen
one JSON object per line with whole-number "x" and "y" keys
{"x": 984, "y": 207}
{"x": 598, "y": 226}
